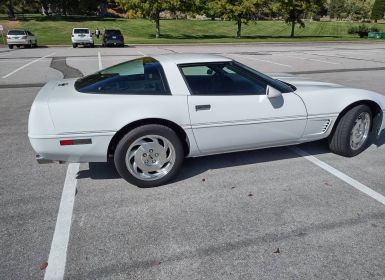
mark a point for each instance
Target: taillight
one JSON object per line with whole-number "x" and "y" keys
{"x": 69, "y": 142}
{"x": 8, "y": 37}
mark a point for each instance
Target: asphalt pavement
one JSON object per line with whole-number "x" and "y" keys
{"x": 266, "y": 214}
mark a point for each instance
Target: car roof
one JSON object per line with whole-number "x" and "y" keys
{"x": 189, "y": 58}
{"x": 17, "y": 29}
{"x": 80, "y": 28}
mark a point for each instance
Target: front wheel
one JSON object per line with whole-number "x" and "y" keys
{"x": 10, "y": 46}
{"x": 352, "y": 132}
{"x": 149, "y": 155}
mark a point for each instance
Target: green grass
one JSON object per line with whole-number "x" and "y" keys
{"x": 57, "y": 30}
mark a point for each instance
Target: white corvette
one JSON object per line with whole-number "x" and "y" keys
{"x": 148, "y": 114}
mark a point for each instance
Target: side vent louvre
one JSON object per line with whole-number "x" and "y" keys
{"x": 326, "y": 126}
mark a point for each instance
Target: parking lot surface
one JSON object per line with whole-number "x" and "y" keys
{"x": 266, "y": 214}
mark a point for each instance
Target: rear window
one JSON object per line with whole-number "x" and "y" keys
{"x": 113, "y": 32}
{"x": 81, "y": 31}
{"x": 16, "y": 32}
{"x": 138, "y": 76}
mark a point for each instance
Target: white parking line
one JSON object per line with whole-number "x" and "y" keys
{"x": 58, "y": 253}
{"x": 100, "y": 61}
{"x": 361, "y": 187}
{"x": 141, "y": 53}
{"x": 29, "y": 63}
{"x": 262, "y": 60}
{"x": 317, "y": 60}
{"x": 5, "y": 54}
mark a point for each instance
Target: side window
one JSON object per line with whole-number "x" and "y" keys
{"x": 139, "y": 76}
{"x": 221, "y": 79}
{"x": 29, "y": 33}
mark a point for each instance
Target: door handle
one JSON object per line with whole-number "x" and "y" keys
{"x": 202, "y": 107}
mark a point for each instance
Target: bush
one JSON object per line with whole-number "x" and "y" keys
{"x": 362, "y": 30}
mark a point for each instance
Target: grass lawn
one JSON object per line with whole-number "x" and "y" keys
{"x": 57, "y": 30}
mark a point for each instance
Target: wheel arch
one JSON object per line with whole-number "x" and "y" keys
{"x": 125, "y": 129}
{"x": 376, "y": 114}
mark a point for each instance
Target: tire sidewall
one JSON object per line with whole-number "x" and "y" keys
{"x": 361, "y": 109}
{"x": 129, "y": 138}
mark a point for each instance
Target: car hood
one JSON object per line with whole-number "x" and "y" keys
{"x": 307, "y": 85}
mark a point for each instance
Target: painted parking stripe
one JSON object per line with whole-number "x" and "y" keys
{"x": 58, "y": 253}
{"x": 342, "y": 176}
{"x": 141, "y": 53}
{"x": 26, "y": 65}
{"x": 316, "y": 60}
{"x": 263, "y": 60}
{"x": 100, "y": 61}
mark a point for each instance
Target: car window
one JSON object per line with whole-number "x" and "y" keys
{"x": 16, "y": 32}
{"x": 29, "y": 33}
{"x": 224, "y": 78}
{"x": 113, "y": 32}
{"x": 139, "y": 76}
{"x": 81, "y": 31}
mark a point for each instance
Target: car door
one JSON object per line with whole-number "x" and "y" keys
{"x": 229, "y": 110}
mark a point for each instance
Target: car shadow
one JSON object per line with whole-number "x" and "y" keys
{"x": 195, "y": 166}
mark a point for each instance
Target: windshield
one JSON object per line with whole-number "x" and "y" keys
{"x": 277, "y": 84}
{"x": 16, "y": 32}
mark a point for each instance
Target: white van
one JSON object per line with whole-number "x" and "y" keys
{"x": 82, "y": 36}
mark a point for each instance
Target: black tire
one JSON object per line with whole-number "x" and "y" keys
{"x": 74, "y": 45}
{"x": 30, "y": 45}
{"x": 10, "y": 46}
{"x": 339, "y": 140}
{"x": 130, "y": 137}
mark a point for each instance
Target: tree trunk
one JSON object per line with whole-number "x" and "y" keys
{"x": 239, "y": 27}
{"x": 157, "y": 26}
{"x": 11, "y": 12}
{"x": 292, "y": 29}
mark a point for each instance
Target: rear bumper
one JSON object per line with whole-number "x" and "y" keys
{"x": 17, "y": 42}
{"x": 82, "y": 42}
{"x": 49, "y": 150}
{"x": 114, "y": 43}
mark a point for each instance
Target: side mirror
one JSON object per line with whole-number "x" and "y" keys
{"x": 272, "y": 92}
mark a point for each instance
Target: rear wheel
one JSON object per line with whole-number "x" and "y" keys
{"x": 149, "y": 155}
{"x": 10, "y": 46}
{"x": 74, "y": 45}
{"x": 352, "y": 132}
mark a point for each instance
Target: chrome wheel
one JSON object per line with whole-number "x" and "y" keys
{"x": 360, "y": 131}
{"x": 150, "y": 157}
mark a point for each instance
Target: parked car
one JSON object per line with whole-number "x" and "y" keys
{"x": 21, "y": 37}
{"x": 146, "y": 115}
{"x": 113, "y": 37}
{"x": 82, "y": 36}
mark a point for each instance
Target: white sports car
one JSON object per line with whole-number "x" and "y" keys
{"x": 148, "y": 114}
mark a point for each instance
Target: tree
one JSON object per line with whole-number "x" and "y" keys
{"x": 378, "y": 10}
{"x": 337, "y": 8}
{"x": 151, "y": 9}
{"x": 239, "y": 10}
{"x": 11, "y": 11}
{"x": 293, "y": 11}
